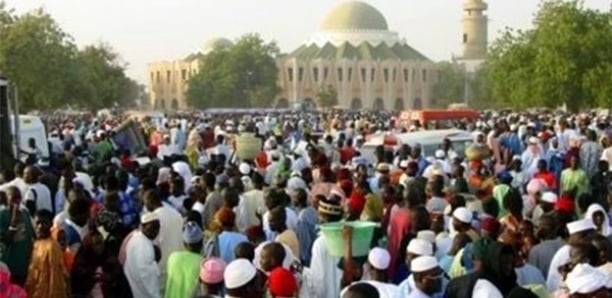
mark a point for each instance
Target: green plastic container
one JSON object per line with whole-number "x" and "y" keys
{"x": 363, "y": 231}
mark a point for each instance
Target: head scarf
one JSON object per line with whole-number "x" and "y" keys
{"x": 7, "y": 288}
{"x": 605, "y": 229}
{"x": 226, "y": 217}
{"x": 192, "y": 233}
{"x": 356, "y": 202}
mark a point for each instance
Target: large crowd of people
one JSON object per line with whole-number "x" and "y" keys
{"x": 190, "y": 216}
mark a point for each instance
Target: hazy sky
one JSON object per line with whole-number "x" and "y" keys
{"x": 144, "y": 31}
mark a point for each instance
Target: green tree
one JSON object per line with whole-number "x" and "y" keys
{"x": 50, "y": 72}
{"x": 105, "y": 78}
{"x": 481, "y": 95}
{"x": 36, "y": 54}
{"x": 327, "y": 96}
{"x": 564, "y": 59}
{"x": 243, "y": 75}
{"x": 450, "y": 88}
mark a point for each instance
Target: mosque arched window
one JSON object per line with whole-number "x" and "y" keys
{"x": 300, "y": 74}
{"x": 356, "y": 104}
{"x": 350, "y": 74}
{"x": 363, "y": 74}
{"x": 386, "y": 74}
{"x": 406, "y": 75}
{"x": 290, "y": 74}
{"x": 399, "y": 104}
{"x": 325, "y": 73}
{"x": 372, "y": 73}
{"x": 424, "y": 75}
{"x": 315, "y": 74}
{"x": 339, "y": 74}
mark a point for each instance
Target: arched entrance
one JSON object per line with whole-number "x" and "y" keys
{"x": 356, "y": 104}
{"x": 174, "y": 105}
{"x": 399, "y": 104}
{"x": 418, "y": 104}
{"x": 308, "y": 104}
{"x": 162, "y": 104}
{"x": 282, "y": 103}
{"x": 379, "y": 104}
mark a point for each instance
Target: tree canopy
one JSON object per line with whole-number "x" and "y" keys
{"x": 51, "y": 72}
{"x": 451, "y": 84}
{"x": 241, "y": 75}
{"x": 564, "y": 59}
{"x": 327, "y": 96}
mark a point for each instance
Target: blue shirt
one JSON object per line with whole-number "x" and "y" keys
{"x": 227, "y": 244}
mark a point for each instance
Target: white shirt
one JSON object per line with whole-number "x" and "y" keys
{"x": 40, "y": 194}
{"x": 167, "y": 150}
{"x": 291, "y": 222}
{"x": 416, "y": 293}
{"x": 197, "y": 206}
{"x": 607, "y": 156}
{"x": 17, "y": 182}
{"x": 140, "y": 268}
{"x": 177, "y": 202}
{"x": 484, "y": 288}
{"x": 387, "y": 290}
{"x": 564, "y": 139}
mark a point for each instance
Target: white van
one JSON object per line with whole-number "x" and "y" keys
{"x": 430, "y": 141}
{"x": 32, "y": 127}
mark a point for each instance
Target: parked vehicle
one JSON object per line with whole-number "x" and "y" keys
{"x": 429, "y": 140}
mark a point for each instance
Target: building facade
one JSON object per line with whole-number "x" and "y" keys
{"x": 168, "y": 79}
{"x": 369, "y": 66}
{"x": 354, "y": 52}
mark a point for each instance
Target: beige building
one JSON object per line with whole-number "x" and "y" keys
{"x": 168, "y": 79}
{"x": 370, "y": 66}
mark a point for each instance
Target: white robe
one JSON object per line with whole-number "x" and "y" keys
{"x": 251, "y": 202}
{"x": 140, "y": 268}
{"x": 554, "y": 279}
{"x": 324, "y": 273}
{"x": 170, "y": 238}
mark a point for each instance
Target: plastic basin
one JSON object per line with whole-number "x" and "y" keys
{"x": 363, "y": 231}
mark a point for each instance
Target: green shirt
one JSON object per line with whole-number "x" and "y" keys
{"x": 577, "y": 179}
{"x": 16, "y": 254}
{"x": 183, "y": 274}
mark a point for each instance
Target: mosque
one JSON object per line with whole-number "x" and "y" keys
{"x": 354, "y": 52}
